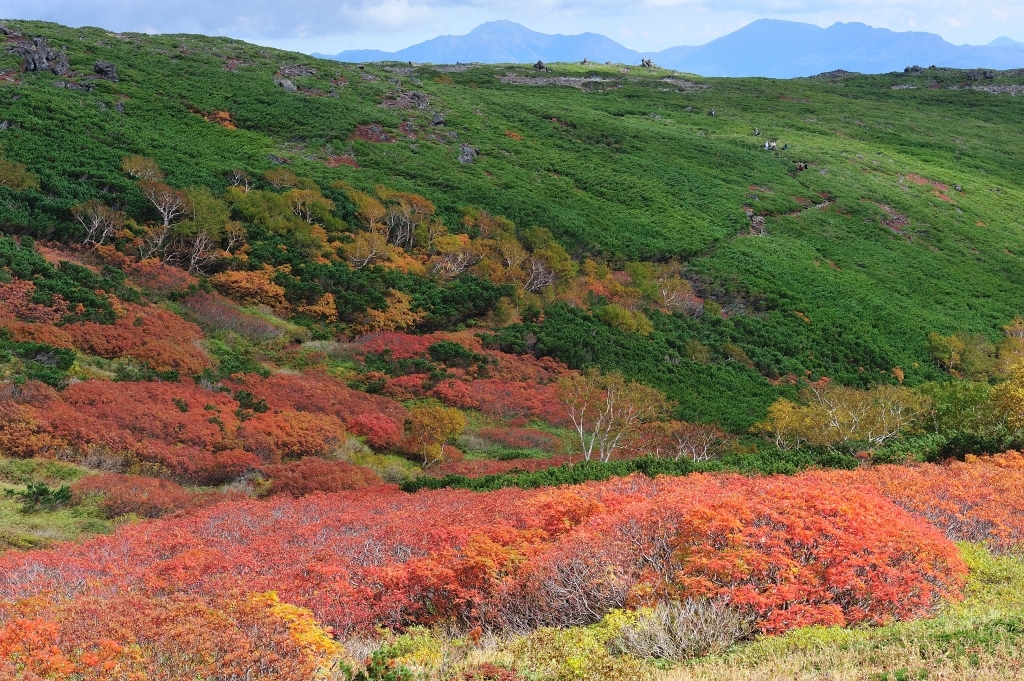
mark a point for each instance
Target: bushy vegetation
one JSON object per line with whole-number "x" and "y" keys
{"x": 649, "y": 388}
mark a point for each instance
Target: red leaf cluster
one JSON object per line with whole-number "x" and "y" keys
{"x": 274, "y": 437}
{"x": 979, "y": 499}
{"x": 319, "y": 393}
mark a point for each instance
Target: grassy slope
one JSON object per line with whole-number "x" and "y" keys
{"x": 633, "y": 168}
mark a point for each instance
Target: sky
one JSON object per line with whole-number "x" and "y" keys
{"x": 330, "y": 26}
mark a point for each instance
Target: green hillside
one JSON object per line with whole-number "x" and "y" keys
{"x": 890, "y": 205}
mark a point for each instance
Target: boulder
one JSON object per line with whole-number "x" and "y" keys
{"x": 286, "y": 84}
{"x": 106, "y": 70}
{"x": 539, "y": 65}
{"x": 39, "y": 56}
{"x": 438, "y": 119}
{"x": 467, "y": 154}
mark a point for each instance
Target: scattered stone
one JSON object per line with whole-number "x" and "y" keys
{"x": 293, "y": 70}
{"x": 4, "y": 125}
{"x": 712, "y": 113}
{"x": 584, "y": 62}
{"x": 407, "y": 100}
{"x": 913, "y": 69}
{"x": 438, "y": 119}
{"x": 286, "y": 84}
{"x": 801, "y": 166}
{"x": 119, "y": 107}
{"x": 106, "y": 70}
{"x": 10, "y": 32}
{"x": 467, "y": 153}
{"x": 72, "y": 86}
{"x": 540, "y": 66}
{"x": 958, "y": 188}
{"x": 648, "y": 64}
{"x": 39, "y": 56}
{"x": 274, "y": 158}
{"x": 515, "y": 79}
{"x": 757, "y": 133}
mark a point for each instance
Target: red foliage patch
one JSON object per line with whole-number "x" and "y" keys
{"x": 274, "y": 437}
{"x": 149, "y": 334}
{"x": 309, "y": 475}
{"x": 141, "y": 495}
{"x": 792, "y": 551}
{"x": 319, "y": 393}
{"x": 380, "y": 431}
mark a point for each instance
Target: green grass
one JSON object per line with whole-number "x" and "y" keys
{"x": 38, "y": 529}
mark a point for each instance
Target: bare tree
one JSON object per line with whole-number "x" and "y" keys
{"x": 366, "y": 247}
{"x": 239, "y": 178}
{"x": 538, "y": 274}
{"x": 605, "y": 410}
{"x": 172, "y": 204}
{"x": 100, "y": 221}
{"x": 452, "y": 264}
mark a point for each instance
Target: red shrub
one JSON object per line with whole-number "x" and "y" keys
{"x": 791, "y": 550}
{"x": 153, "y": 275}
{"x": 308, "y": 475}
{"x": 144, "y": 496}
{"x": 32, "y": 332}
{"x": 145, "y": 333}
{"x": 380, "y": 431}
{"x": 291, "y": 435}
{"x": 319, "y": 393}
{"x": 976, "y": 500}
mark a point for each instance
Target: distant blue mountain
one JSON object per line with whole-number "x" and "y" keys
{"x": 1003, "y": 41}
{"x": 500, "y": 42}
{"x": 767, "y": 47}
{"x": 786, "y": 49}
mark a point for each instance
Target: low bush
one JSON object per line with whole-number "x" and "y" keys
{"x": 682, "y": 630}
{"x": 136, "y": 494}
{"x": 311, "y": 474}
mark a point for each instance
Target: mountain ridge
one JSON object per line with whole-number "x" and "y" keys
{"x": 766, "y": 47}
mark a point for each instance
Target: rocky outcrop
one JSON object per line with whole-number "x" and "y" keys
{"x": 467, "y": 154}
{"x": 39, "y": 56}
{"x": 106, "y": 70}
{"x": 286, "y": 84}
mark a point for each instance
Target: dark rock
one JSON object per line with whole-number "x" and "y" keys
{"x": 106, "y": 70}
{"x": 274, "y": 158}
{"x": 539, "y": 65}
{"x": 648, "y": 64}
{"x": 712, "y": 113}
{"x": 438, "y": 119}
{"x": 119, "y": 107}
{"x": 39, "y": 56}
{"x": 8, "y": 32}
{"x": 4, "y": 125}
{"x": 293, "y": 70}
{"x": 958, "y": 188}
{"x": 467, "y": 154}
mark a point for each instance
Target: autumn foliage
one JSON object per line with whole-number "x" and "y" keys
{"x": 311, "y": 474}
{"x": 791, "y": 551}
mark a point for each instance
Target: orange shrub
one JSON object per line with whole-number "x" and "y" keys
{"x": 310, "y": 474}
{"x": 255, "y": 287}
{"x": 179, "y": 636}
{"x": 274, "y": 437}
